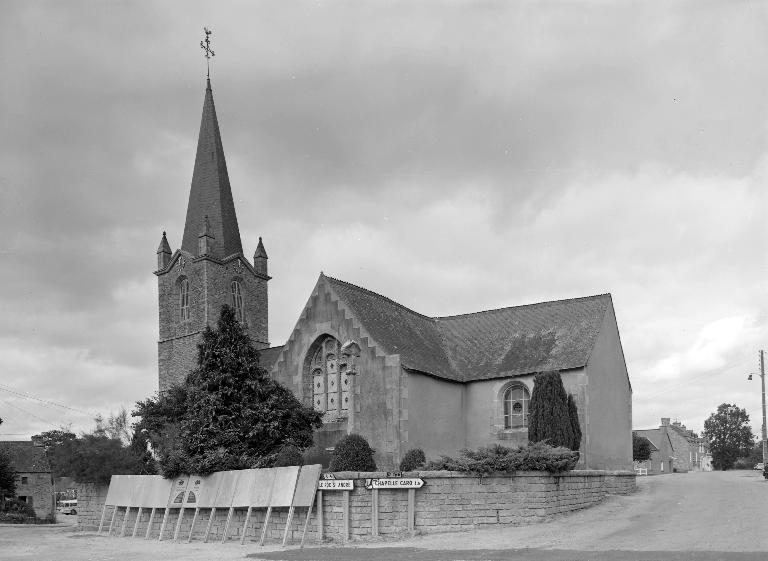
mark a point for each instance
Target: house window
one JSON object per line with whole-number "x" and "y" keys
{"x": 184, "y": 299}
{"x": 329, "y": 385}
{"x": 515, "y": 402}
{"x": 24, "y": 480}
{"x": 237, "y": 300}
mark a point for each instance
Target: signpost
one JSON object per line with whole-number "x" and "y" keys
{"x": 335, "y": 485}
{"x": 397, "y": 482}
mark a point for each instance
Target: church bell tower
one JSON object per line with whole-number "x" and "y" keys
{"x": 210, "y": 269}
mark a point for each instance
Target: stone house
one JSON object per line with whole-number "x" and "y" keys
{"x": 678, "y": 449}
{"x": 34, "y": 480}
{"x": 661, "y": 450}
{"x": 691, "y": 451}
{"x": 436, "y": 383}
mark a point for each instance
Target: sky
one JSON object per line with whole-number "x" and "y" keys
{"x": 453, "y": 156}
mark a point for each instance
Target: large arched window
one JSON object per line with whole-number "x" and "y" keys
{"x": 329, "y": 385}
{"x": 184, "y": 299}
{"x": 515, "y": 403}
{"x": 237, "y": 300}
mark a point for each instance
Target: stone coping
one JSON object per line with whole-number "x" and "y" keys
{"x": 450, "y": 474}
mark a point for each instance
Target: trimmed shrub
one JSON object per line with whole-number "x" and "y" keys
{"x": 413, "y": 459}
{"x": 538, "y": 456}
{"x": 289, "y": 455}
{"x": 352, "y": 453}
{"x": 14, "y": 511}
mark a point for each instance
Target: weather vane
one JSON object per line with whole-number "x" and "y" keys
{"x": 206, "y": 46}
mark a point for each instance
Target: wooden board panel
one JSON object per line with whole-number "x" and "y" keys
{"x": 227, "y": 487}
{"x": 306, "y": 485}
{"x": 285, "y": 484}
{"x": 153, "y": 491}
{"x": 178, "y": 491}
{"x": 261, "y": 491}
{"x": 242, "y": 495}
{"x": 194, "y": 489}
{"x": 119, "y": 492}
{"x": 206, "y": 498}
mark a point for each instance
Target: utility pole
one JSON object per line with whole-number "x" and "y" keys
{"x": 762, "y": 381}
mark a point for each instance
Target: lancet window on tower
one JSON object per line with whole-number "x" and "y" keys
{"x": 238, "y": 301}
{"x": 184, "y": 299}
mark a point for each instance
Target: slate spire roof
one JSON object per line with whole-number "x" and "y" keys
{"x": 211, "y": 193}
{"x": 514, "y": 341}
{"x": 164, "y": 246}
{"x": 260, "y": 251}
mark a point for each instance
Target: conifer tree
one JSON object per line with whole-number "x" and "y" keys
{"x": 549, "y": 418}
{"x": 573, "y": 413}
{"x": 229, "y": 414}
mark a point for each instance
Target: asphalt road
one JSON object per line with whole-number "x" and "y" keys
{"x": 674, "y": 517}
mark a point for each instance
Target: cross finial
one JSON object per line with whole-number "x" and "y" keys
{"x": 206, "y": 46}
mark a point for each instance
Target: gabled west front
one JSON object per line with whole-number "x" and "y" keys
{"x": 440, "y": 384}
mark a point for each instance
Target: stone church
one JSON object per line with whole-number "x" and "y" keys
{"x": 436, "y": 383}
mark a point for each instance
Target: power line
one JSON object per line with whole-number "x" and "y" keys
{"x": 28, "y": 413}
{"x": 5, "y": 388}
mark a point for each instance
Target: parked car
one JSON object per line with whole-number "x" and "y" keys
{"x": 759, "y": 467}
{"x": 68, "y": 507}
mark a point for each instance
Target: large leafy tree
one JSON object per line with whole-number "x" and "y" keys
{"x": 551, "y": 418}
{"x": 90, "y": 458}
{"x": 54, "y": 443}
{"x": 229, "y": 414}
{"x": 729, "y": 435}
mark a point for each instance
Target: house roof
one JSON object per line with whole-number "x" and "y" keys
{"x": 505, "y": 342}
{"x": 25, "y": 457}
{"x": 651, "y": 444}
{"x": 654, "y": 436}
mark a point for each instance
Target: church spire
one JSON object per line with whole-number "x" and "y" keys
{"x": 211, "y": 194}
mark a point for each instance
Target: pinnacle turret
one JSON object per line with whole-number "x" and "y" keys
{"x": 260, "y": 258}
{"x": 163, "y": 253}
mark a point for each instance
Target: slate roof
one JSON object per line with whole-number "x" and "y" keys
{"x": 650, "y": 444}
{"x": 210, "y": 193}
{"x": 25, "y": 456}
{"x": 654, "y": 436}
{"x": 267, "y": 357}
{"x": 505, "y": 342}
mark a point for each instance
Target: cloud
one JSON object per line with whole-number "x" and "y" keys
{"x": 457, "y": 158}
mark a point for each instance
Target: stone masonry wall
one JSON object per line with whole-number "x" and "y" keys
{"x": 448, "y": 501}
{"x": 39, "y": 489}
{"x": 90, "y": 502}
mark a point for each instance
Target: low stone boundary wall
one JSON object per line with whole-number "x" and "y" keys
{"x": 448, "y": 501}
{"x": 90, "y": 502}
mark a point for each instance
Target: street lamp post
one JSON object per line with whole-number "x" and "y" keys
{"x": 762, "y": 383}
